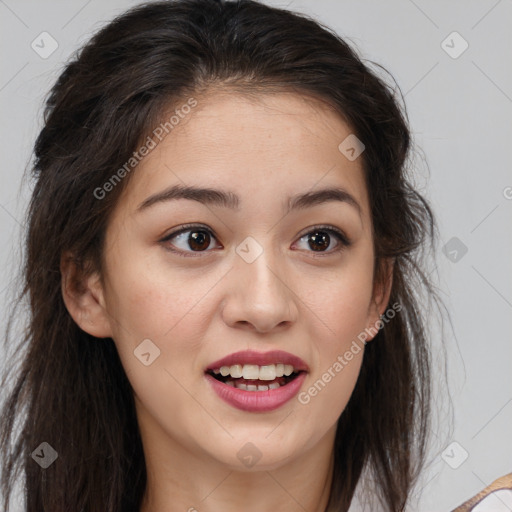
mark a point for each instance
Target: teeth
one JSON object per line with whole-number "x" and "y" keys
{"x": 255, "y": 372}
{"x": 251, "y": 371}
{"x": 267, "y": 372}
{"x": 288, "y": 369}
{"x": 236, "y": 371}
{"x": 252, "y": 387}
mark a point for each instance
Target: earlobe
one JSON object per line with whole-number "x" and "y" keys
{"x": 84, "y": 299}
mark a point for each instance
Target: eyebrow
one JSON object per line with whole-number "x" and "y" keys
{"x": 228, "y": 199}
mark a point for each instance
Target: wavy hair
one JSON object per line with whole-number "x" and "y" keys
{"x": 70, "y": 388}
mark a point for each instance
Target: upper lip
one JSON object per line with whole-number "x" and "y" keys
{"x": 261, "y": 359}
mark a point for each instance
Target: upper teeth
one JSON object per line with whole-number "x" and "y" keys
{"x": 253, "y": 371}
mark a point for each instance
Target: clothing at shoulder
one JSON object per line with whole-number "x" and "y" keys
{"x": 496, "y": 497}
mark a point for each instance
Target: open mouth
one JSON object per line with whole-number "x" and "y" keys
{"x": 254, "y": 377}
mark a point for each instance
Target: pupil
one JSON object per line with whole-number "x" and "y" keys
{"x": 197, "y": 240}
{"x": 321, "y": 239}
{"x": 200, "y": 240}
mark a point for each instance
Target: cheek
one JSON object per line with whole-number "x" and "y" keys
{"x": 341, "y": 305}
{"x": 325, "y": 395}
{"x": 341, "y": 302}
{"x": 171, "y": 308}
{"x": 152, "y": 303}
{"x": 339, "y": 355}
{"x": 155, "y": 303}
{"x": 345, "y": 318}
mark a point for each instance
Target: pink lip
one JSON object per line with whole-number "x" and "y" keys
{"x": 261, "y": 359}
{"x": 257, "y": 401}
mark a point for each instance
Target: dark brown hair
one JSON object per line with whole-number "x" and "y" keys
{"x": 70, "y": 388}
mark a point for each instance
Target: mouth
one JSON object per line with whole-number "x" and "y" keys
{"x": 258, "y": 382}
{"x": 252, "y": 377}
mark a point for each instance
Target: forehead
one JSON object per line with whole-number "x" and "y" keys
{"x": 264, "y": 147}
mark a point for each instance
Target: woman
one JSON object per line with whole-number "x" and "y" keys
{"x": 223, "y": 266}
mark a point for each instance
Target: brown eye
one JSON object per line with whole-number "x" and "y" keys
{"x": 325, "y": 240}
{"x": 198, "y": 240}
{"x": 319, "y": 241}
{"x": 187, "y": 241}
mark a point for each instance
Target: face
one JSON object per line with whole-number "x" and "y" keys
{"x": 266, "y": 264}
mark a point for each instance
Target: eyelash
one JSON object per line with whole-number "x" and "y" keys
{"x": 343, "y": 240}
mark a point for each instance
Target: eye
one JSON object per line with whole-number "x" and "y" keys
{"x": 320, "y": 238}
{"x": 189, "y": 239}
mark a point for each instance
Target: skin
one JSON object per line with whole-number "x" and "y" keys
{"x": 198, "y": 309}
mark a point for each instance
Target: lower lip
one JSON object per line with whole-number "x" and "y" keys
{"x": 257, "y": 401}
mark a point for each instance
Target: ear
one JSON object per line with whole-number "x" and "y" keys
{"x": 84, "y": 298}
{"x": 381, "y": 293}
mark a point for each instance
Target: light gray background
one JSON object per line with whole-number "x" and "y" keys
{"x": 460, "y": 112}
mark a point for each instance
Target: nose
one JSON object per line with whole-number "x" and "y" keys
{"x": 258, "y": 296}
